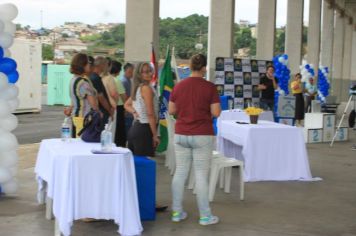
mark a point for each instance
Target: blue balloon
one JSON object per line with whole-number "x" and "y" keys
{"x": 1, "y": 53}
{"x": 13, "y": 77}
{"x": 7, "y": 65}
{"x": 307, "y": 66}
{"x": 285, "y": 56}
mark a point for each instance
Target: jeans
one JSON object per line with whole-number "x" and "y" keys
{"x": 197, "y": 148}
{"x": 267, "y": 104}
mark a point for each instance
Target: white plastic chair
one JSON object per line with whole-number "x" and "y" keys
{"x": 221, "y": 162}
{"x": 170, "y": 161}
{"x": 191, "y": 181}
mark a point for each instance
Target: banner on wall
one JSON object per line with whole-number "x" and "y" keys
{"x": 239, "y": 79}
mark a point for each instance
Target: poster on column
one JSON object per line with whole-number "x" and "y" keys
{"x": 239, "y": 78}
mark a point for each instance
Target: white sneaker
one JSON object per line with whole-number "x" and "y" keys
{"x": 208, "y": 220}
{"x": 179, "y": 216}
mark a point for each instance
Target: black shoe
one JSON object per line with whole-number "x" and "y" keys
{"x": 161, "y": 208}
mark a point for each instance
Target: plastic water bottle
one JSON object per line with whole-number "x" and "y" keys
{"x": 66, "y": 130}
{"x": 106, "y": 139}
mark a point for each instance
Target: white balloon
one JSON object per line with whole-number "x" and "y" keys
{"x": 4, "y": 108}
{"x": 301, "y": 67}
{"x": 3, "y": 81}
{"x": 8, "y": 141}
{"x": 11, "y": 92}
{"x": 10, "y": 28}
{"x": 7, "y": 53}
{"x": 13, "y": 171}
{"x": 13, "y": 104}
{"x": 10, "y": 187}
{"x": 8, "y": 11}
{"x": 311, "y": 66}
{"x": 6, "y": 40}
{"x": 5, "y": 175}
{"x": 281, "y": 92}
{"x": 9, "y": 123}
{"x": 281, "y": 59}
{"x": 8, "y": 159}
{"x": 2, "y": 26}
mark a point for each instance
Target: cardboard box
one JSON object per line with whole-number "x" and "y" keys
{"x": 313, "y": 135}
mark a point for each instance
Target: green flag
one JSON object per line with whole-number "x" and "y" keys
{"x": 166, "y": 85}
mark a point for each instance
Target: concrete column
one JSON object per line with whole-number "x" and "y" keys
{"x": 346, "y": 62}
{"x": 294, "y": 31}
{"x": 220, "y": 35}
{"x": 314, "y": 33}
{"x": 142, "y": 22}
{"x": 266, "y": 29}
{"x": 353, "y": 54}
{"x": 327, "y": 35}
{"x": 353, "y": 46}
{"x": 338, "y": 44}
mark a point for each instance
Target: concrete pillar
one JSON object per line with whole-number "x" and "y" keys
{"x": 221, "y": 31}
{"x": 338, "y": 54}
{"x": 353, "y": 46}
{"x": 353, "y": 54}
{"x": 346, "y": 62}
{"x": 294, "y": 31}
{"x": 327, "y": 35}
{"x": 142, "y": 22}
{"x": 266, "y": 29}
{"x": 314, "y": 33}
{"x": 338, "y": 44}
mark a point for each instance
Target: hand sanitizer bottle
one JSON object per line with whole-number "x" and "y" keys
{"x": 106, "y": 139}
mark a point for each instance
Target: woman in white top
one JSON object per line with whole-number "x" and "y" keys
{"x": 143, "y": 104}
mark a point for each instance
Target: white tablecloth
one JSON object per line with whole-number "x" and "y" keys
{"x": 271, "y": 151}
{"x": 86, "y": 185}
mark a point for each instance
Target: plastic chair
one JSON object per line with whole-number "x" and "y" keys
{"x": 221, "y": 162}
{"x": 191, "y": 181}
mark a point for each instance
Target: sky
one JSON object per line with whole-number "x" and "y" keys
{"x": 56, "y": 12}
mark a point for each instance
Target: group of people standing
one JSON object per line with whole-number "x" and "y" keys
{"x": 95, "y": 86}
{"x": 194, "y": 102}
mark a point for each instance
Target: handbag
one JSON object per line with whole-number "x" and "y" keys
{"x": 92, "y": 127}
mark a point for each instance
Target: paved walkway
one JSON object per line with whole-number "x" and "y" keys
{"x": 325, "y": 208}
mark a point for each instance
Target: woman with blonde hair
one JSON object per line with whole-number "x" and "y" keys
{"x": 143, "y": 104}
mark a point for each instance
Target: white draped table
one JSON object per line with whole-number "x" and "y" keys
{"x": 86, "y": 185}
{"x": 237, "y": 114}
{"x": 270, "y": 151}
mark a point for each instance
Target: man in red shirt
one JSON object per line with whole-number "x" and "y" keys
{"x": 195, "y": 102}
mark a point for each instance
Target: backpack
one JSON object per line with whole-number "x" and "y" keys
{"x": 92, "y": 127}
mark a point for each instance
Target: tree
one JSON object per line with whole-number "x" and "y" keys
{"x": 47, "y": 52}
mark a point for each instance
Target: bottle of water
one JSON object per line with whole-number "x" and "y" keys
{"x": 106, "y": 139}
{"x": 66, "y": 130}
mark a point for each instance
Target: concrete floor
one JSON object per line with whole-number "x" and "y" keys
{"x": 325, "y": 208}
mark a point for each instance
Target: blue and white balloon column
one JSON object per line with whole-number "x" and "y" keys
{"x": 8, "y": 101}
{"x": 323, "y": 83}
{"x": 282, "y": 73}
